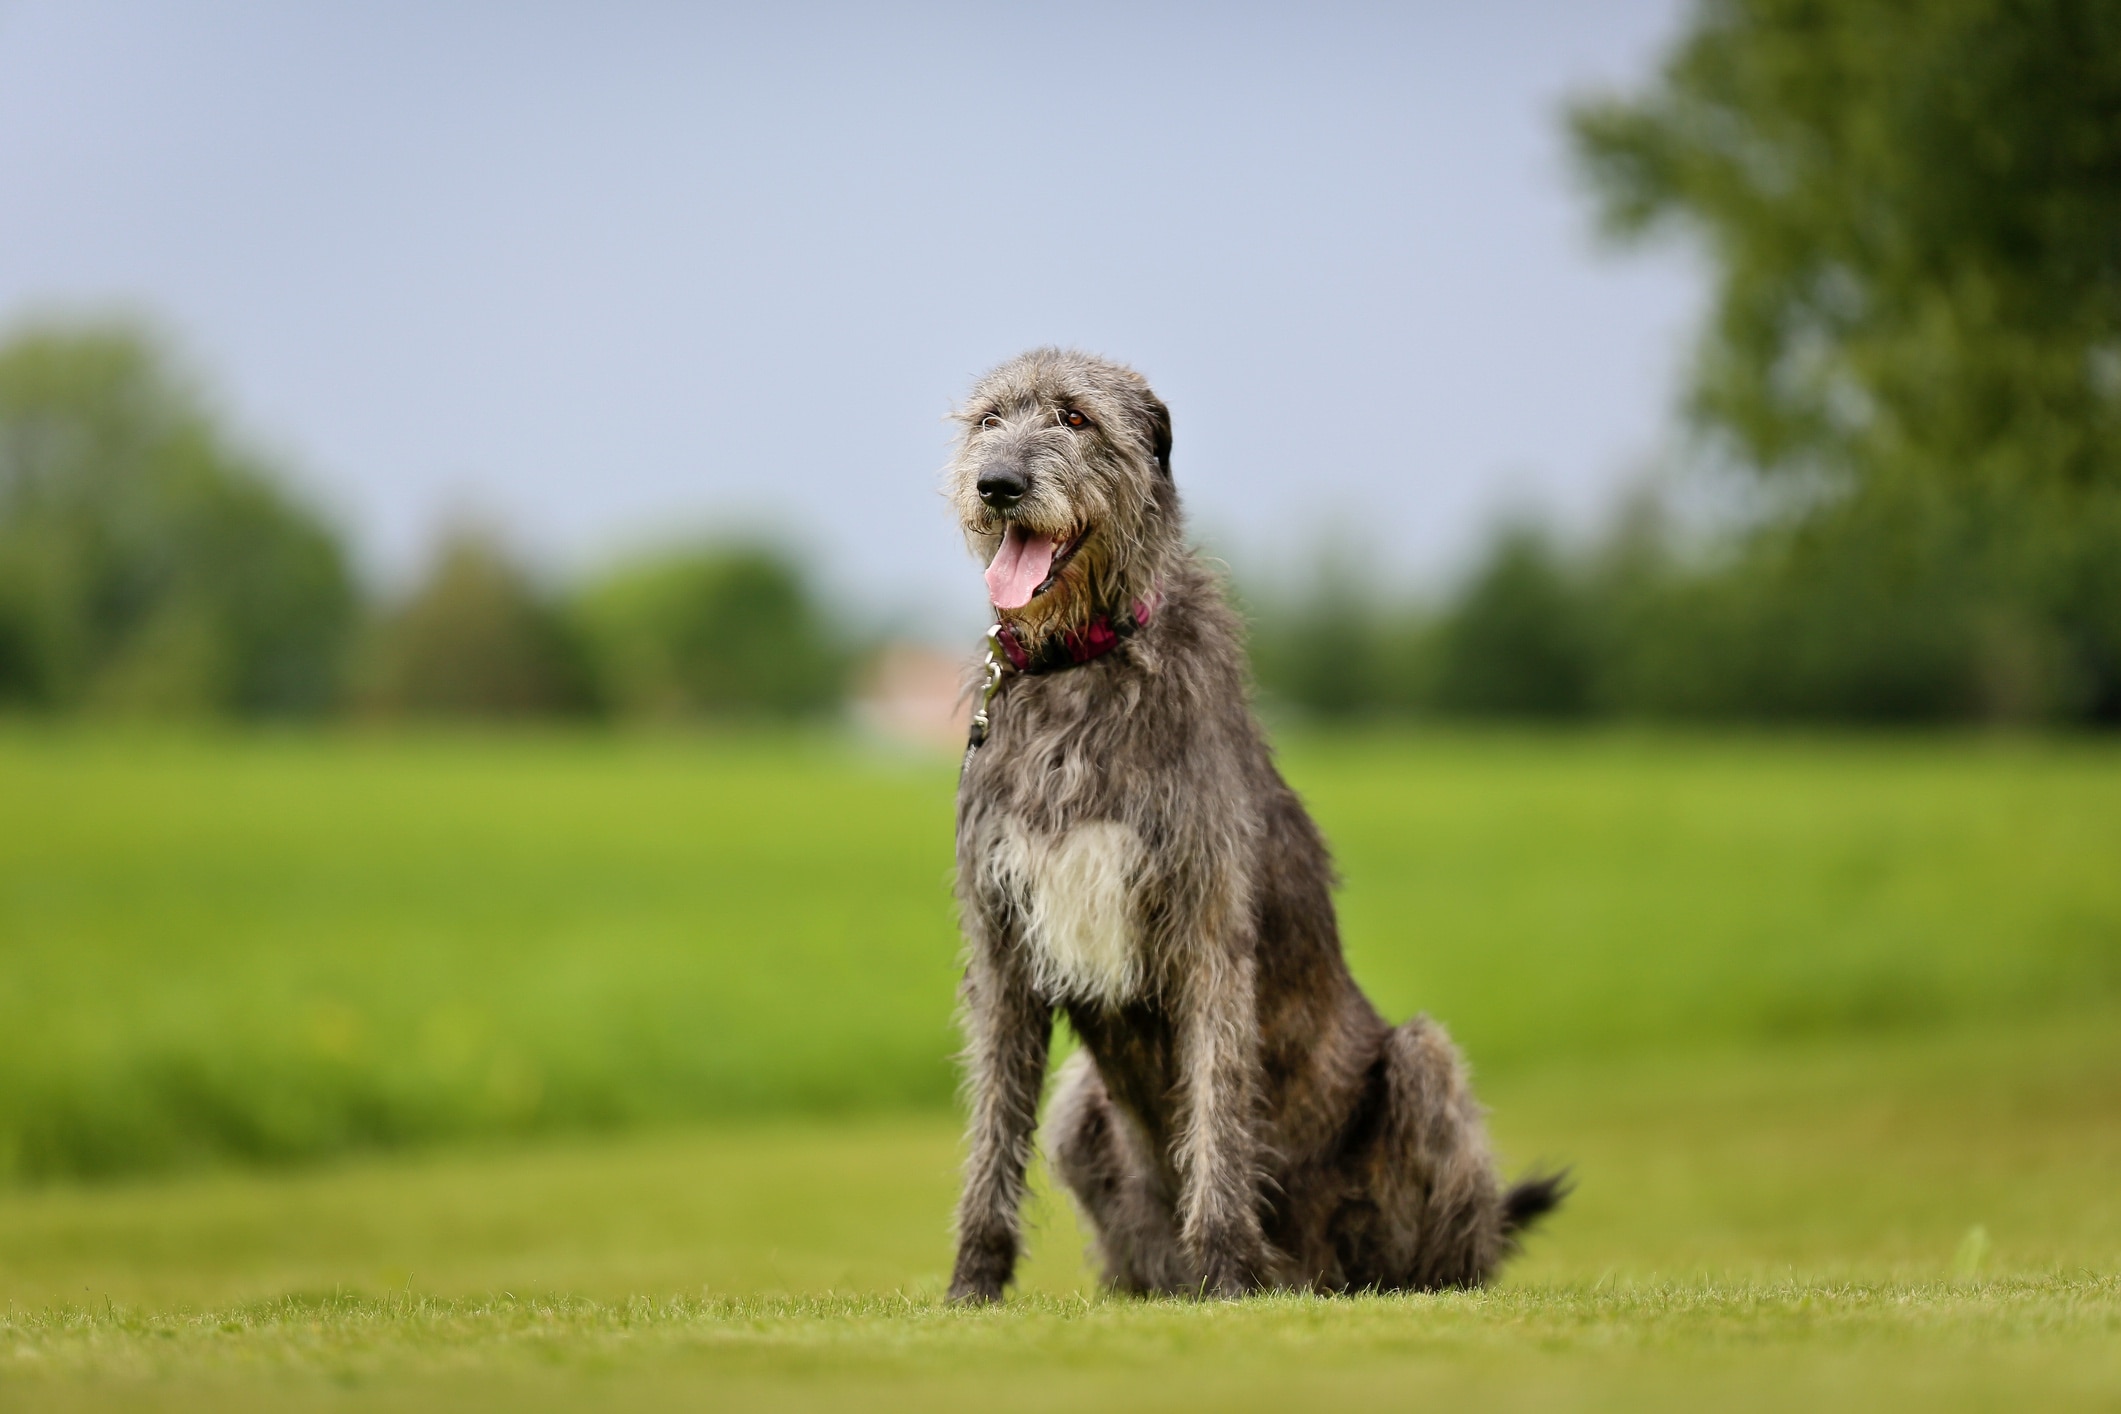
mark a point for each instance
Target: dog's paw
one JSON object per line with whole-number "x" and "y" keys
{"x": 983, "y": 1268}
{"x": 1227, "y": 1276}
{"x": 975, "y": 1293}
{"x": 1230, "y": 1286}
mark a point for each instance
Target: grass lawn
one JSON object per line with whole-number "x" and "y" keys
{"x": 1848, "y": 1224}
{"x": 277, "y": 949}
{"x": 631, "y": 1058}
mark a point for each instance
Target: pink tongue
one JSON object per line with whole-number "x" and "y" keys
{"x": 1019, "y": 567}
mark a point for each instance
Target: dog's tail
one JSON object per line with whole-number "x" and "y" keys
{"x": 1530, "y": 1199}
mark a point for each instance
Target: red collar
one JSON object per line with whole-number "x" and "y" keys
{"x": 1073, "y": 647}
{"x": 1064, "y": 650}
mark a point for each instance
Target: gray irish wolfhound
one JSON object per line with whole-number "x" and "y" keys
{"x": 1239, "y": 1115}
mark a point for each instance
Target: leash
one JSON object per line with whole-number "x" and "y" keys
{"x": 987, "y": 688}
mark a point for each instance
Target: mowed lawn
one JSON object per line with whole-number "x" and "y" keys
{"x": 1921, "y": 1221}
{"x": 629, "y": 1059}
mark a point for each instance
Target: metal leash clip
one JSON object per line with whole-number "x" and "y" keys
{"x": 992, "y": 685}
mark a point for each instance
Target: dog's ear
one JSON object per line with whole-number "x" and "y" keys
{"x": 1159, "y": 419}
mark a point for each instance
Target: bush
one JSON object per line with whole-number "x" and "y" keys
{"x": 727, "y": 631}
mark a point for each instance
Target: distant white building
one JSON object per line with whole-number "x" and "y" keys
{"x": 917, "y": 696}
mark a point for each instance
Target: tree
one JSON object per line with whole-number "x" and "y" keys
{"x": 146, "y": 564}
{"x": 1337, "y": 647}
{"x": 1916, "y": 213}
{"x": 475, "y": 639}
{"x": 1914, "y": 208}
{"x": 1516, "y": 643}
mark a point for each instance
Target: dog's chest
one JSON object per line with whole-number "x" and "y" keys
{"x": 1075, "y": 892}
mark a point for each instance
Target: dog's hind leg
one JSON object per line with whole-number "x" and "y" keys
{"x": 1438, "y": 1219}
{"x": 1099, "y": 1155}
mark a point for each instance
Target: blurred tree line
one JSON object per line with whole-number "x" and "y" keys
{"x": 1912, "y": 373}
{"x": 719, "y": 631}
{"x": 149, "y": 566}
{"x": 1913, "y": 367}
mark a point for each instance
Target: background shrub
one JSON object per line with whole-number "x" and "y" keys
{"x": 711, "y": 631}
{"x": 476, "y": 639}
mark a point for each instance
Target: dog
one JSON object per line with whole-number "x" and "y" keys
{"x": 1238, "y": 1116}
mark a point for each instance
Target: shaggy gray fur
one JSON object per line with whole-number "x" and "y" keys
{"x": 1239, "y": 1115}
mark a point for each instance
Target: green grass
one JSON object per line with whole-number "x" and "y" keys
{"x": 1754, "y": 1229}
{"x": 634, "y": 1057}
{"x": 282, "y": 948}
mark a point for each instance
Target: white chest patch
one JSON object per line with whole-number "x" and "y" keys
{"x": 1076, "y": 892}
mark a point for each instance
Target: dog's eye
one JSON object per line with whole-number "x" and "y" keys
{"x": 1069, "y": 417}
{"x": 990, "y": 421}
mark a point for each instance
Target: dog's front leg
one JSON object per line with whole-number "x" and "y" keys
{"x": 1008, "y": 1029}
{"x": 1218, "y": 1144}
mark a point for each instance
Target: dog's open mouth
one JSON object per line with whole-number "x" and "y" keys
{"x": 1027, "y": 564}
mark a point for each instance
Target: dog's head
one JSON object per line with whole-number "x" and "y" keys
{"x": 1062, "y": 482}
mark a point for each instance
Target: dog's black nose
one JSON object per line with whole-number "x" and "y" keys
{"x": 1002, "y": 488}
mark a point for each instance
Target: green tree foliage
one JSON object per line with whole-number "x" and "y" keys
{"x": 476, "y": 639}
{"x": 145, "y": 563}
{"x": 1334, "y": 650}
{"x": 1517, "y": 639}
{"x": 1914, "y": 210}
{"x": 728, "y": 631}
{"x": 1516, "y": 643}
{"x": 1843, "y": 618}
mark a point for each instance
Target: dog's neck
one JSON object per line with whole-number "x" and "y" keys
{"x": 1008, "y": 649}
{"x": 1070, "y": 647}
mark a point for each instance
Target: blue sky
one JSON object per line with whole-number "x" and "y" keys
{"x": 606, "y": 275}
